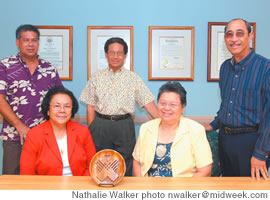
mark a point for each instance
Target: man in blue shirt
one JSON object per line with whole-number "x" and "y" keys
{"x": 243, "y": 119}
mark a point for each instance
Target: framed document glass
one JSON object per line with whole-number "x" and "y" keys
{"x": 97, "y": 37}
{"x": 171, "y": 53}
{"x": 56, "y": 46}
{"x": 217, "y": 50}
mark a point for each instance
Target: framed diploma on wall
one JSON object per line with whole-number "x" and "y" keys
{"x": 56, "y": 46}
{"x": 217, "y": 50}
{"x": 96, "y": 39}
{"x": 171, "y": 53}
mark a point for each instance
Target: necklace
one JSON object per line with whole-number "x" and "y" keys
{"x": 62, "y": 144}
{"x": 166, "y": 135}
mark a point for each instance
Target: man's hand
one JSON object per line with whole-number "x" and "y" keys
{"x": 208, "y": 127}
{"x": 258, "y": 167}
{"x": 22, "y": 130}
{"x": 12, "y": 118}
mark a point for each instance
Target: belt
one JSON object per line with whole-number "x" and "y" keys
{"x": 113, "y": 117}
{"x": 239, "y": 130}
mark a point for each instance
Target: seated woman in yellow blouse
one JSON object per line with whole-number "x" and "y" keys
{"x": 172, "y": 145}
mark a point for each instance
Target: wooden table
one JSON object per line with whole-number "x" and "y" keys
{"x": 12, "y": 182}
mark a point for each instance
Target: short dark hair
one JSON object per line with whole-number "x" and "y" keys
{"x": 24, "y": 28}
{"x": 48, "y": 97}
{"x": 116, "y": 40}
{"x": 176, "y": 87}
{"x": 247, "y": 24}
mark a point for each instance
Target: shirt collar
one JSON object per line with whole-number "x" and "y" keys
{"x": 111, "y": 71}
{"x": 21, "y": 60}
{"x": 244, "y": 62}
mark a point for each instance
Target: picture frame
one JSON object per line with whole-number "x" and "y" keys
{"x": 56, "y": 46}
{"x": 217, "y": 51}
{"x": 96, "y": 38}
{"x": 171, "y": 53}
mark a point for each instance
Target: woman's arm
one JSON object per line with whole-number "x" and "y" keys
{"x": 203, "y": 171}
{"x": 90, "y": 149}
{"x": 28, "y": 157}
{"x": 202, "y": 153}
{"x": 136, "y": 168}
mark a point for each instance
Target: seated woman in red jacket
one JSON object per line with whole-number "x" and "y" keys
{"x": 58, "y": 146}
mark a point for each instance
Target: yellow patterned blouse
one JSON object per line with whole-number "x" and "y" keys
{"x": 116, "y": 93}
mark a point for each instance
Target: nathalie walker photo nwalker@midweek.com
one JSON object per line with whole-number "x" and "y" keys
{"x": 158, "y": 195}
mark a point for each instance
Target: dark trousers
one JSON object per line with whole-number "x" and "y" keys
{"x": 116, "y": 135}
{"x": 235, "y": 153}
{"x": 11, "y": 157}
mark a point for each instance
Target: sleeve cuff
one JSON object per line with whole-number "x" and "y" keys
{"x": 214, "y": 124}
{"x": 260, "y": 156}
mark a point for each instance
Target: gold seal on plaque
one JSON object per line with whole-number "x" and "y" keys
{"x": 107, "y": 167}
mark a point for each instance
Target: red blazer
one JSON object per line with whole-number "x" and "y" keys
{"x": 41, "y": 155}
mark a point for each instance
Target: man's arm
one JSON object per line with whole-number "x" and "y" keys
{"x": 90, "y": 114}
{"x": 151, "y": 108}
{"x": 12, "y": 118}
{"x": 258, "y": 160}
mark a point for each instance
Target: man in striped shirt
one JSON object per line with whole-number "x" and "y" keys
{"x": 243, "y": 119}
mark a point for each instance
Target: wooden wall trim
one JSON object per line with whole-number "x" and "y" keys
{"x": 204, "y": 120}
{"x": 142, "y": 119}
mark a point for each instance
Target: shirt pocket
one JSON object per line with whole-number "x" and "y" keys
{"x": 249, "y": 99}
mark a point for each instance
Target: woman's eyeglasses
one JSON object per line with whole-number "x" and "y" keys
{"x": 170, "y": 105}
{"x": 58, "y": 107}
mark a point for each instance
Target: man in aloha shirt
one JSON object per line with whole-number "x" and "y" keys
{"x": 24, "y": 81}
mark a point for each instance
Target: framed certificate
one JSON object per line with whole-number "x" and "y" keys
{"x": 217, "y": 50}
{"x": 171, "y": 53}
{"x": 56, "y": 46}
{"x": 97, "y": 37}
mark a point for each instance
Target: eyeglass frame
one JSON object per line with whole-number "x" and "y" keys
{"x": 118, "y": 53}
{"x": 58, "y": 107}
{"x": 171, "y": 105}
{"x": 231, "y": 34}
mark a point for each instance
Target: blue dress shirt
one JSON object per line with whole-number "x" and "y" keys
{"x": 245, "y": 98}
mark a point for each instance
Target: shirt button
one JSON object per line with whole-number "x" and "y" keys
{"x": 236, "y": 76}
{"x": 229, "y": 114}
{"x": 230, "y": 102}
{"x": 233, "y": 89}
